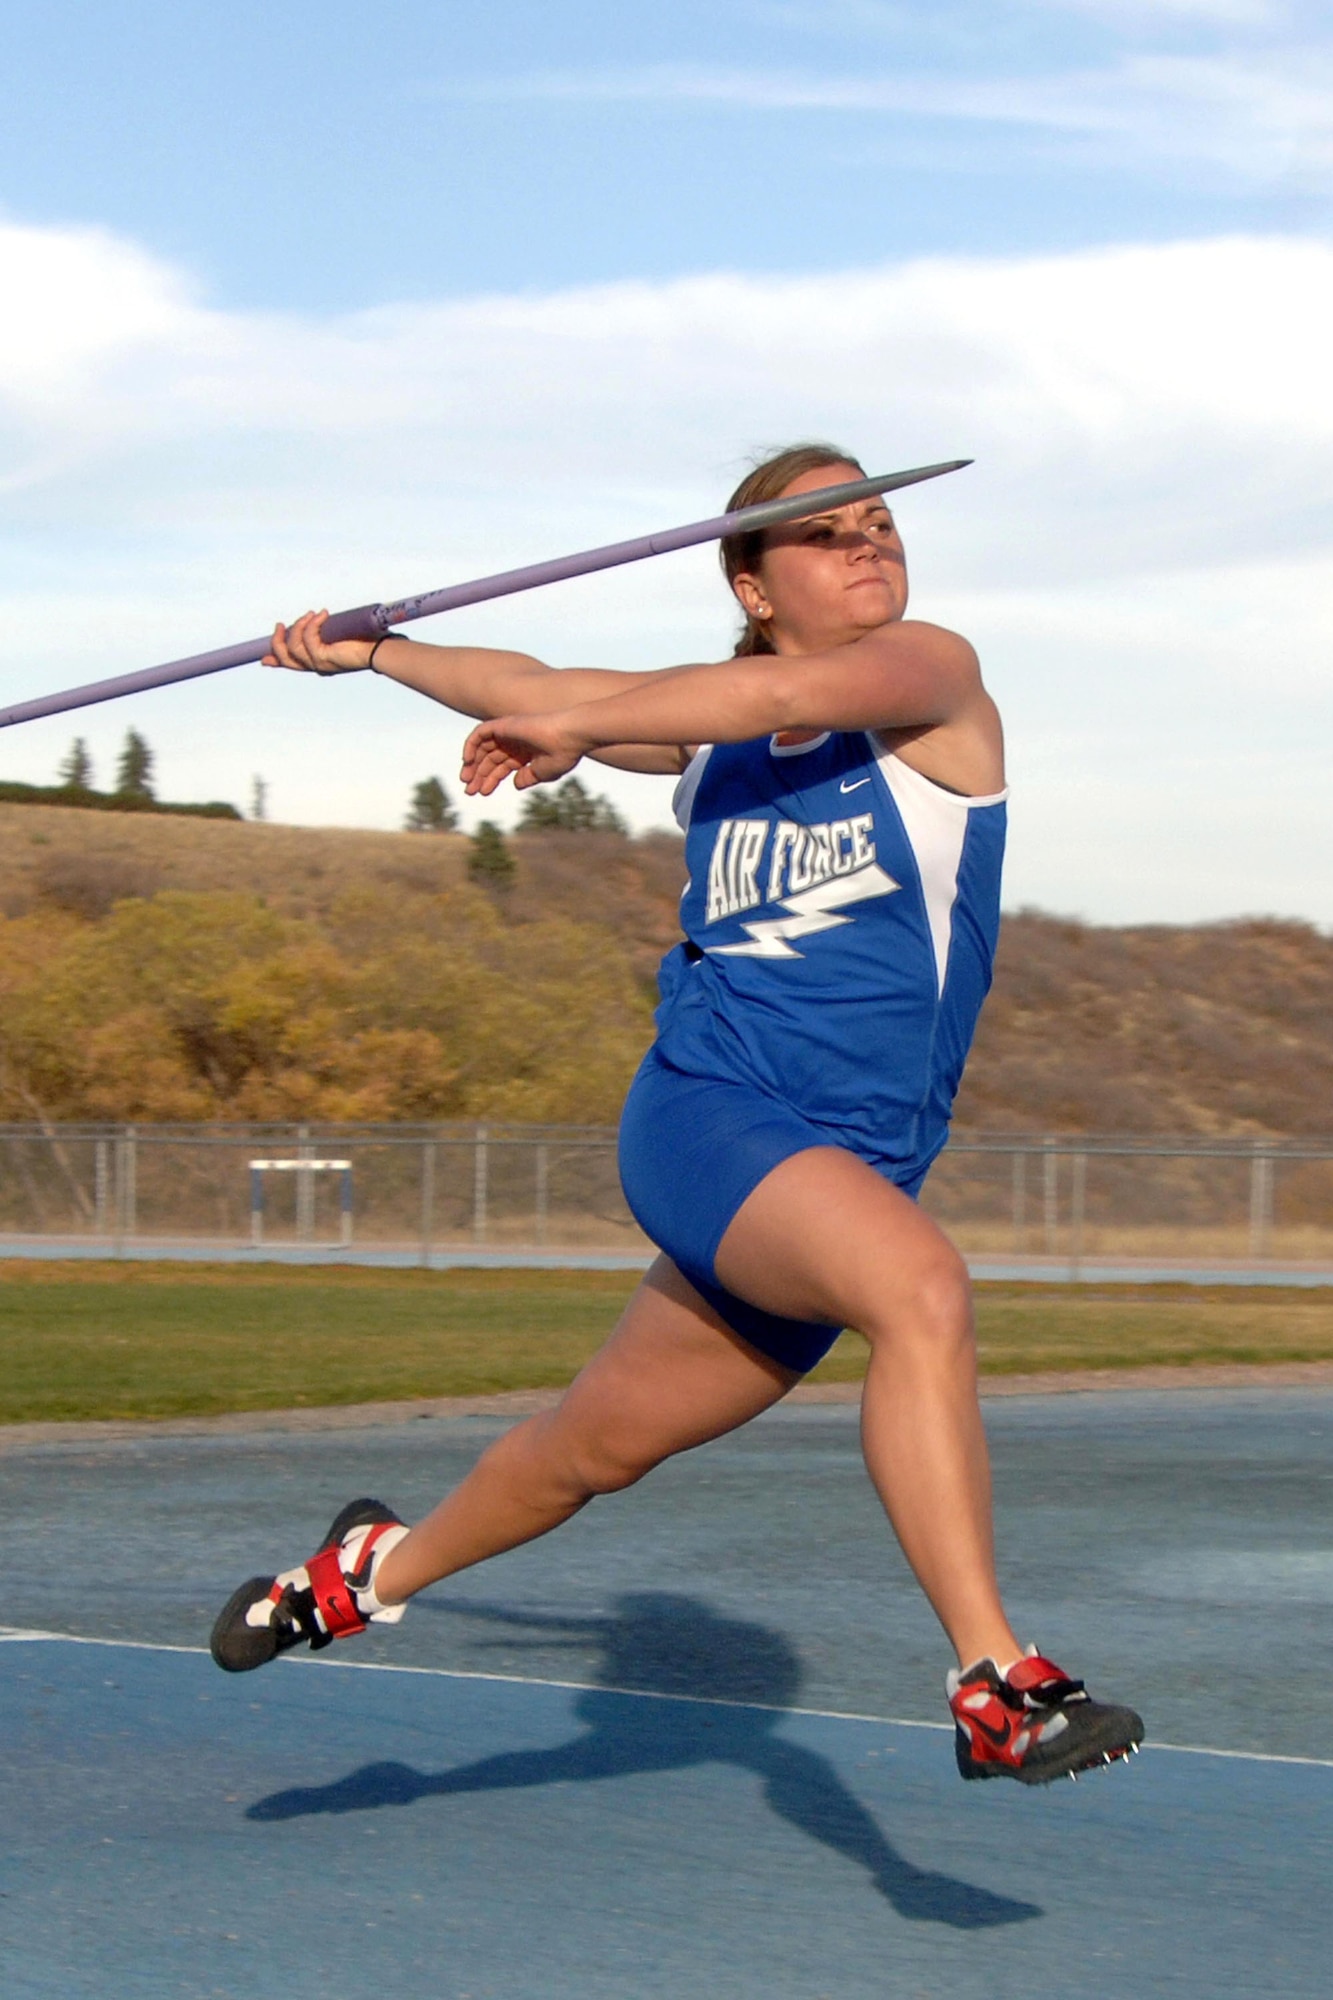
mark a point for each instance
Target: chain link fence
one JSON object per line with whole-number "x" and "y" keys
{"x": 421, "y": 1190}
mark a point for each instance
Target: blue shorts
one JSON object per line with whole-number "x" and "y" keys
{"x": 692, "y": 1150}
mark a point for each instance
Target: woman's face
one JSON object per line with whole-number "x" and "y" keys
{"x": 831, "y": 579}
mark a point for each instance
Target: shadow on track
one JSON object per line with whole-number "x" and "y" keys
{"x": 667, "y": 1645}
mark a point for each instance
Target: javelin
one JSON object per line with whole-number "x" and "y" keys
{"x": 374, "y": 621}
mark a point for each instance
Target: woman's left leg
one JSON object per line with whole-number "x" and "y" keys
{"x": 825, "y": 1237}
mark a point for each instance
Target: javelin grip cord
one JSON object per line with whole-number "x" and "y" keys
{"x": 373, "y": 621}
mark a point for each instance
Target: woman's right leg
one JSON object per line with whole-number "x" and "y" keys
{"x": 671, "y": 1376}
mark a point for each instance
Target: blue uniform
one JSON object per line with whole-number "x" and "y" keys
{"x": 840, "y": 923}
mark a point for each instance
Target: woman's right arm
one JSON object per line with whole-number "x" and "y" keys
{"x": 479, "y": 681}
{"x": 473, "y": 680}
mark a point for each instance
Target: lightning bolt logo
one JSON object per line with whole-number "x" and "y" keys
{"x": 812, "y": 910}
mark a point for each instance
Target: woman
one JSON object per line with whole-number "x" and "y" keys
{"x": 844, "y": 827}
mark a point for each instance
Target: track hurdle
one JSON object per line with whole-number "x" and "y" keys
{"x": 305, "y": 1196}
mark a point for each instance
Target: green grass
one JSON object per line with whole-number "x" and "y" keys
{"x": 154, "y": 1340}
{"x": 1025, "y": 1328}
{"x": 159, "y": 1340}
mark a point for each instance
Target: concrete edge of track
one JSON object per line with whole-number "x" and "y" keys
{"x": 19, "y": 1635}
{"x": 526, "y": 1402}
{"x": 985, "y": 1267}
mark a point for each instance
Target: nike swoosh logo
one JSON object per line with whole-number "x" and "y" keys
{"x": 998, "y": 1737}
{"x": 845, "y": 787}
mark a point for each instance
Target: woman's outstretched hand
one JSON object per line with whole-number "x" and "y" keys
{"x": 300, "y": 647}
{"x": 532, "y": 749}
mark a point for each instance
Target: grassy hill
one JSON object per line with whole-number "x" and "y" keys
{"x": 1208, "y": 1029}
{"x": 1214, "y": 1029}
{"x": 52, "y": 857}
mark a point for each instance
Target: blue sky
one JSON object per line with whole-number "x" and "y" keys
{"x": 337, "y": 156}
{"x": 324, "y": 303}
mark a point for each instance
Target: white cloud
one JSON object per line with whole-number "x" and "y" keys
{"x": 1151, "y": 13}
{"x": 1143, "y": 547}
{"x": 1255, "y": 116}
{"x": 852, "y": 17}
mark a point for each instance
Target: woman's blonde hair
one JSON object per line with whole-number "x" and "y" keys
{"x": 769, "y": 479}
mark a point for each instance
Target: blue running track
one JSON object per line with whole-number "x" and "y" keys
{"x": 643, "y": 1758}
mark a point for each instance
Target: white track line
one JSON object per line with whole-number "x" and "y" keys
{"x": 19, "y": 1635}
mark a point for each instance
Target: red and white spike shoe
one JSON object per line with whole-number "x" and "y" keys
{"x": 1034, "y": 1723}
{"x": 330, "y": 1597}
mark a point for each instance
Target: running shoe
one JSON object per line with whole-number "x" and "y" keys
{"x": 1033, "y": 1723}
{"x": 330, "y": 1597}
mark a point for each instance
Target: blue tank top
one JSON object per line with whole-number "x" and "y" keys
{"x": 841, "y": 915}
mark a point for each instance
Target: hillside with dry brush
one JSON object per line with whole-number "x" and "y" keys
{"x": 170, "y": 970}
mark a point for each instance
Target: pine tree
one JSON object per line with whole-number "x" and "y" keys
{"x": 570, "y": 809}
{"x": 489, "y": 860}
{"x": 134, "y": 773}
{"x": 77, "y": 770}
{"x": 430, "y": 810}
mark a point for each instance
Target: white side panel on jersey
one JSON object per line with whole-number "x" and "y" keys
{"x": 802, "y": 749}
{"x": 682, "y": 799}
{"x": 935, "y": 822}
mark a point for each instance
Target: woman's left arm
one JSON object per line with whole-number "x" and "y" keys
{"x": 906, "y": 676}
